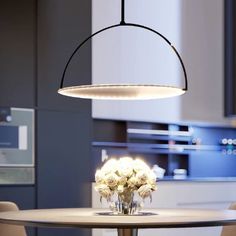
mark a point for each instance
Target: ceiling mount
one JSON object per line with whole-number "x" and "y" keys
{"x": 123, "y": 91}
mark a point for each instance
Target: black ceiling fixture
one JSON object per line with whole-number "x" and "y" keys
{"x": 123, "y": 91}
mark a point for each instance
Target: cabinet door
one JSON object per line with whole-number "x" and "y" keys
{"x": 63, "y": 164}
{"x": 62, "y": 25}
{"x": 17, "y": 53}
{"x": 230, "y": 57}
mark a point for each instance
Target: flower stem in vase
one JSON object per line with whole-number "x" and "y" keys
{"x": 125, "y": 201}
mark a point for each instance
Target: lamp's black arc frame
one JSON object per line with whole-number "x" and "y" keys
{"x": 124, "y": 24}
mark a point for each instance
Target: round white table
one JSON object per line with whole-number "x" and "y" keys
{"x": 126, "y": 225}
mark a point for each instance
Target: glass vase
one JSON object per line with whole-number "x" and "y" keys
{"x": 125, "y": 204}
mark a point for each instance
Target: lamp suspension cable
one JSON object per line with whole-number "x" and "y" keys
{"x": 122, "y": 22}
{"x": 81, "y": 90}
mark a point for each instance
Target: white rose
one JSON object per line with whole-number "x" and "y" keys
{"x": 125, "y": 171}
{"x": 152, "y": 176}
{"x": 104, "y": 190}
{"x": 140, "y": 165}
{"x": 126, "y": 160}
{"x": 120, "y": 189}
{"x": 99, "y": 177}
{"x": 152, "y": 180}
{"x": 122, "y": 180}
{"x": 110, "y": 166}
{"x": 111, "y": 180}
{"x": 145, "y": 191}
{"x": 142, "y": 177}
{"x": 154, "y": 186}
{"x": 132, "y": 182}
{"x": 125, "y": 168}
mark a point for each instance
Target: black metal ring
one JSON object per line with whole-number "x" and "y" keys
{"x": 126, "y": 24}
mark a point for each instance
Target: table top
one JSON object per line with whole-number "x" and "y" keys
{"x": 94, "y": 218}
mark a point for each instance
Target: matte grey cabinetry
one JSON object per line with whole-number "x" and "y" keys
{"x": 37, "y": 36}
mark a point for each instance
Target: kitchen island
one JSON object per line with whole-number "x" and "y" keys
{"x": 210, "y": 193}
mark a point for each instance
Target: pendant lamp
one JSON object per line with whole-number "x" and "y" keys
{"x": 123, "y": 91}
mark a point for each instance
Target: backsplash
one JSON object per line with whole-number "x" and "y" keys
{"x": 203, "y": 150}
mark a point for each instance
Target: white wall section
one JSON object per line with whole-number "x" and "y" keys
{"x": 203, "y": 52}
{"x": 127, "y": 55}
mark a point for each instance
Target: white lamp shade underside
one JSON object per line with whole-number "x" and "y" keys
{"x": 121, "y": 92}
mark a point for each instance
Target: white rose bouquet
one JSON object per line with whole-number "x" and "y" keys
{"x": 124, "y": 177}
